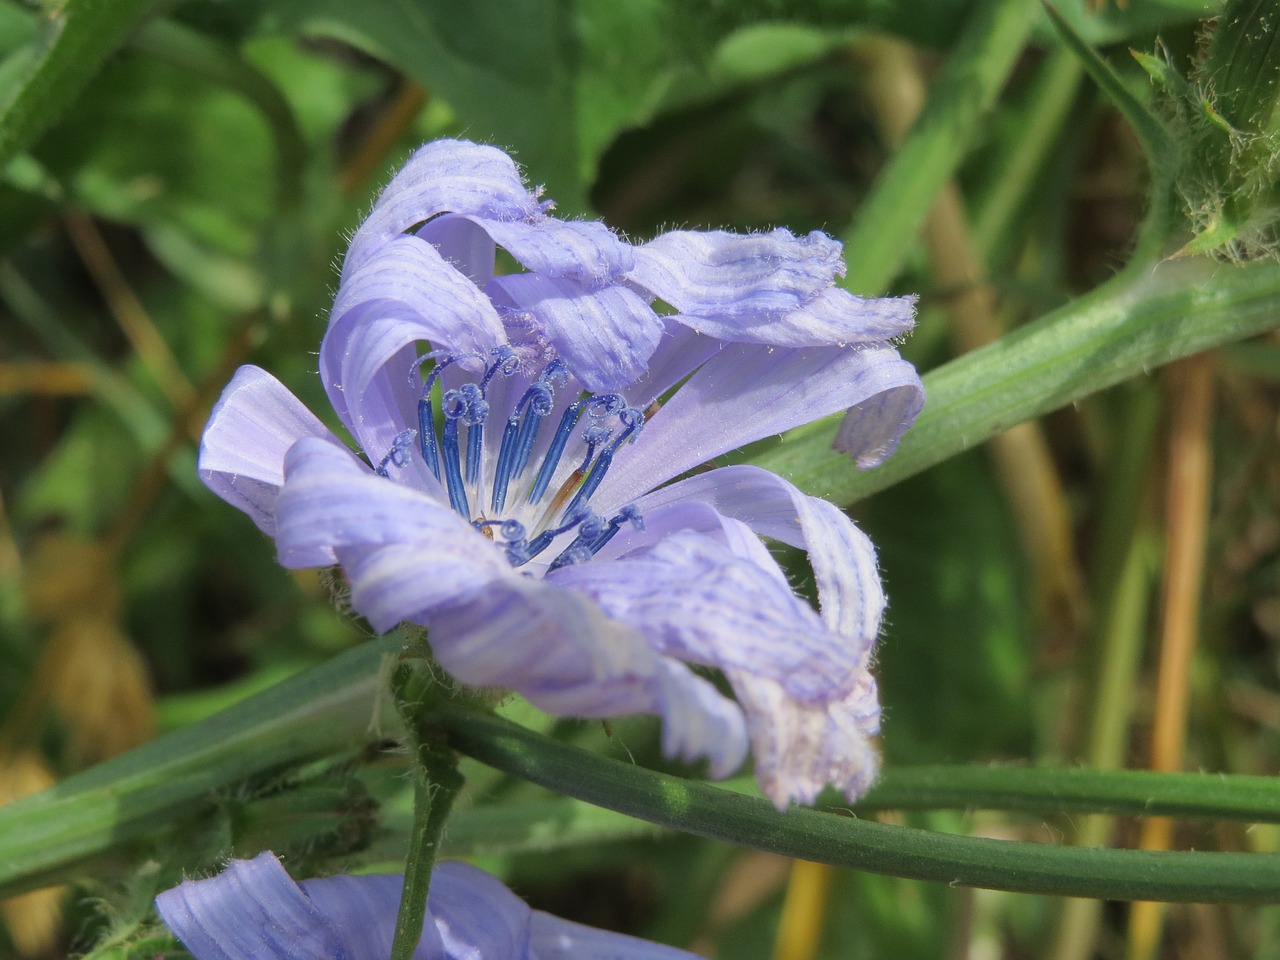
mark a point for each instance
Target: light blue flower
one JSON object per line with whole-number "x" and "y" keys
{"x": 253, "y": 910}
{"x": 528, "y": 501}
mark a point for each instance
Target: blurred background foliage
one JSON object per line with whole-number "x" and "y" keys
{"x": 177, "y": 203}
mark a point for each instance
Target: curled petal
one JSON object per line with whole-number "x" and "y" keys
{"x": 249, "y": 431}
{"x": 585, "y": 251}
{"x": 403, "y": 294}
{"x": 445, "y": 176}
{"x": 606, "y": 336}
{"x": 871, "y": 428}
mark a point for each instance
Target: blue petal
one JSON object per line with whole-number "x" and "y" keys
{"x": 570, "y": 659}
{"x": 253, "y": 911}
{"x": 606, "y": 336}
{"x": 551, "y": 938}
{"x": 476, "y": 916}
{"x": 747, "y": 392}
{"x": 330, "y": 500}
{"x": 364, "y": 910}
{"x": 242, "y": 452}
{"x": 446, "y": 176}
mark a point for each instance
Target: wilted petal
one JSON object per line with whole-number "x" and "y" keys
{"x": 605, "y": 335}
{"x": 754, "y": 277}
{"x": 801, "y": 747}
{"x": 747, "y": 392}
{"x": 842, "y": 556}
{"x": 445, "y": 176}
{"x": 585, "y": 251}
{"x": 249, "y": 431}
{"x": 254, "y": 911}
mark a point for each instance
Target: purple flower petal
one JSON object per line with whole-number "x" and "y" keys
{"x": 701, "y": 601}
{"x": 402, "y": 295}
{"x": 747, "y": 392}
{"x": 585, "y": 251}
{"x": 871, "y": 428}
{"x": 251, "y": 427}
{"x": 446, "y": 176}
{"x": 477, "y": 917}
{"x": 253, "y": 911}
{"x": 605, "y": 335}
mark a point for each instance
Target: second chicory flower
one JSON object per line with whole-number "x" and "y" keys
{"x": 525, "y": 435}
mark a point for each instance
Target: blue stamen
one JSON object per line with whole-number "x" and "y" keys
{"x": 455, "y": 407}
{"x": 427, "y": 435}
{"x": 592, "y": 481}
{"x": 552, "y": 460}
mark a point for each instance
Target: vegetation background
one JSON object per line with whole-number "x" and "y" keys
{"x": 1099, "y": 588}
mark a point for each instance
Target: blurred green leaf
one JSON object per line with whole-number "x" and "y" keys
{"x": 69, "y": 47}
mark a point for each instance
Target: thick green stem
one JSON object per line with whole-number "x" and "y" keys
{"x": 707, "y": 811}
{"x": 436, "y": 782}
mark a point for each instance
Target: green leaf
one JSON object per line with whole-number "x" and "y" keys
{"x": 71, "y": 44}
{"x": 502, "y": 65}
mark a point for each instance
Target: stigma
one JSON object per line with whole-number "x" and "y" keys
{"x": 523, "y": 476}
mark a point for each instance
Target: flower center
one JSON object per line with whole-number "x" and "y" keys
{"x": 538, "y": 486}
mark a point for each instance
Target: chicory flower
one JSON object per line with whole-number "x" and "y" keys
{"x": 253, "y": 910}
{"x": 531, "y": 494}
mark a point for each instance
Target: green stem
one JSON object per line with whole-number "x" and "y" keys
{"x": 436, "y": 782}
{"x": 890, "y": 218}
{"x": 1138, "y": 321}
{"x": 707, "y": 811}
